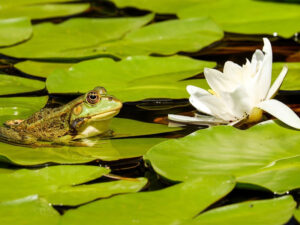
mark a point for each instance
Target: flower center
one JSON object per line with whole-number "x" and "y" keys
{"x": 255, "y": 115}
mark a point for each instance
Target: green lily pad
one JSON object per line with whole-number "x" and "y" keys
{"x": 280, "y": 176}
{"x": 30, "y": 2}
{"x": 213, "y": 151}
{"x": 133, "y": 128}
{"x": 20, "y": 107}
{"x": 165, "y": 7}
{"x": 117, "y": 37}
{"x": 40, "y": 69}
{"x": 106, "y": 150}
{"x": 80, "y": 194}
{"x": 14, "y": 30}
{"x": 167, "y": 37}
{"x": 70, "y": 38}
{"x": 30, "y": 210}
{"x": 45, "y": 181}
{"x": 291, "y": 81}
{"x": 133, "y": 78}
{"x": 10, "y": 84}
{"x": 167, "y": 206}
{"x": 297, "y": 214}
{"x": 42, "y": 11}
{"x": 267, "y": 212}
{"x": 249, "y": 16}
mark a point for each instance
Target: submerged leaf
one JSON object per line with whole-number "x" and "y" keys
{"x": 291, "y": 81}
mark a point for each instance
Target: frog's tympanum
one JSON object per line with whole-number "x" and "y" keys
{"x": 86, "y": 116}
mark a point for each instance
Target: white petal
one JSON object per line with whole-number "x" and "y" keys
{"x": 238, "y": 102}
{"x": 233, "y": 71}
{"x": 277, "y": 83}
{"x": 264, "y": 74}
{"x": 196, "y": 91}
{"x": 217, "y": 81}
{"x": 213, "y": 106}
{"x": 199, "y": 120}
{"x": 281, "y": 112}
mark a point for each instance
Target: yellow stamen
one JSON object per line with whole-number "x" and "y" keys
{"x": 212, "y": 92}
{"x": 255, "y": 115}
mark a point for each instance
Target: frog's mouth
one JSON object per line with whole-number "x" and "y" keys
{"x": 103, "y": 116}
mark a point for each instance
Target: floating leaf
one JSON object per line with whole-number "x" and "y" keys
{"x": 41, "y": 11}
{"x": 133, "y": 78}
{"x": 80, "y": 194}
{"x": 30, "y": 210}
{"x": 280, "y": 176}
{"x": 291, "y": 81}
{"x": 106, "y": 150}
{"x": 70, "y": 38}
{"x": 165, "y": 7}
{"x": 14, "y": 30}
{"x": 40, "y": 69}
{"x": 213, "y": 151}
{"x": 117, "y": 37}
{"x": 267, "y": 212}
{"x": 167, "y": 206}
{"x": 132, "y": 128}
{"x": 168, "y": 37}
{"x": 12, "y": 84}
{"x": 297, "y": 214}
{"x": 30, "y": 2}
{"x": 249, "y": 16}
{"x": 20, "y": 107}
{"x": 42, "y": 182}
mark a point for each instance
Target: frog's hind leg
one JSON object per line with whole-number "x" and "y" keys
{"x": 10, "y": 135}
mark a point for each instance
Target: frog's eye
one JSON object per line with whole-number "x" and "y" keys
{"x": 92, "y": 97}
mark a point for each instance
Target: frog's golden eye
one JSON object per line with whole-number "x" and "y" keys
{"x": 92, "y": 97}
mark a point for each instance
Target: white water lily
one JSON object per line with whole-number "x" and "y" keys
{"x": 240, "y": 94}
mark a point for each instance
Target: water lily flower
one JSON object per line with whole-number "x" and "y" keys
{"x": 240, "y": 94}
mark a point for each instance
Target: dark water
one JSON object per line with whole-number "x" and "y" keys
{"x": 234, "y": 47}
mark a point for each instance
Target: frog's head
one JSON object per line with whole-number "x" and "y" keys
{"x": 91, "y": 116}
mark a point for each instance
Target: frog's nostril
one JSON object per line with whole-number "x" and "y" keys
{"x": 110, "y": 98}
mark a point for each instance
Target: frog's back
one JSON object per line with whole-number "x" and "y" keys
{"x": 47, "y": 124}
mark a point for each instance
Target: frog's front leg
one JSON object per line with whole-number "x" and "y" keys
{"x": 10, "y": 135}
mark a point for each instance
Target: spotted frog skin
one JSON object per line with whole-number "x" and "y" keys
{"x": 88, "y": 115}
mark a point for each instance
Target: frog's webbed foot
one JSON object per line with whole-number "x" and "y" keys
{"x": 12, "y": 123}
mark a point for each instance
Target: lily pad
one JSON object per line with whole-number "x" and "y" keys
{"x": 291, "y": 81}
{"x": 40, "y": 69}
{"x": 249, "y": 16}
{"x": 267, "y": 212}
{"x": 45, "y": 181}
{"x": 164, "y": 7}
{"x": 20, "y": 107}
{"x": 10, "y": 84}
{"x": 133, "y": 78}
{"x": 80, "y": 194}
{"x": 31, "y": 210}
{"x": 167, "y": 206}
{"x": 133, "y": 128}
{"x": 106, "y": 150}
{"x": 212, "y": 151}
{"x": 70, "y": 38}
{"x": 14, "y": 30}
{"x": 30, "y": 2}
{"x": 167, "y": 37}
{"x": 297, "y": 214}
{"x": 117, "y": 37}
{"x": 280, "y": 176}
{"x": 41, "y": 11}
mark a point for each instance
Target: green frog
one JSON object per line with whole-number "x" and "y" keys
{"x": 86, "y": 116}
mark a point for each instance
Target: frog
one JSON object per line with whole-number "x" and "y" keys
{"x": 86, "y": 116}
